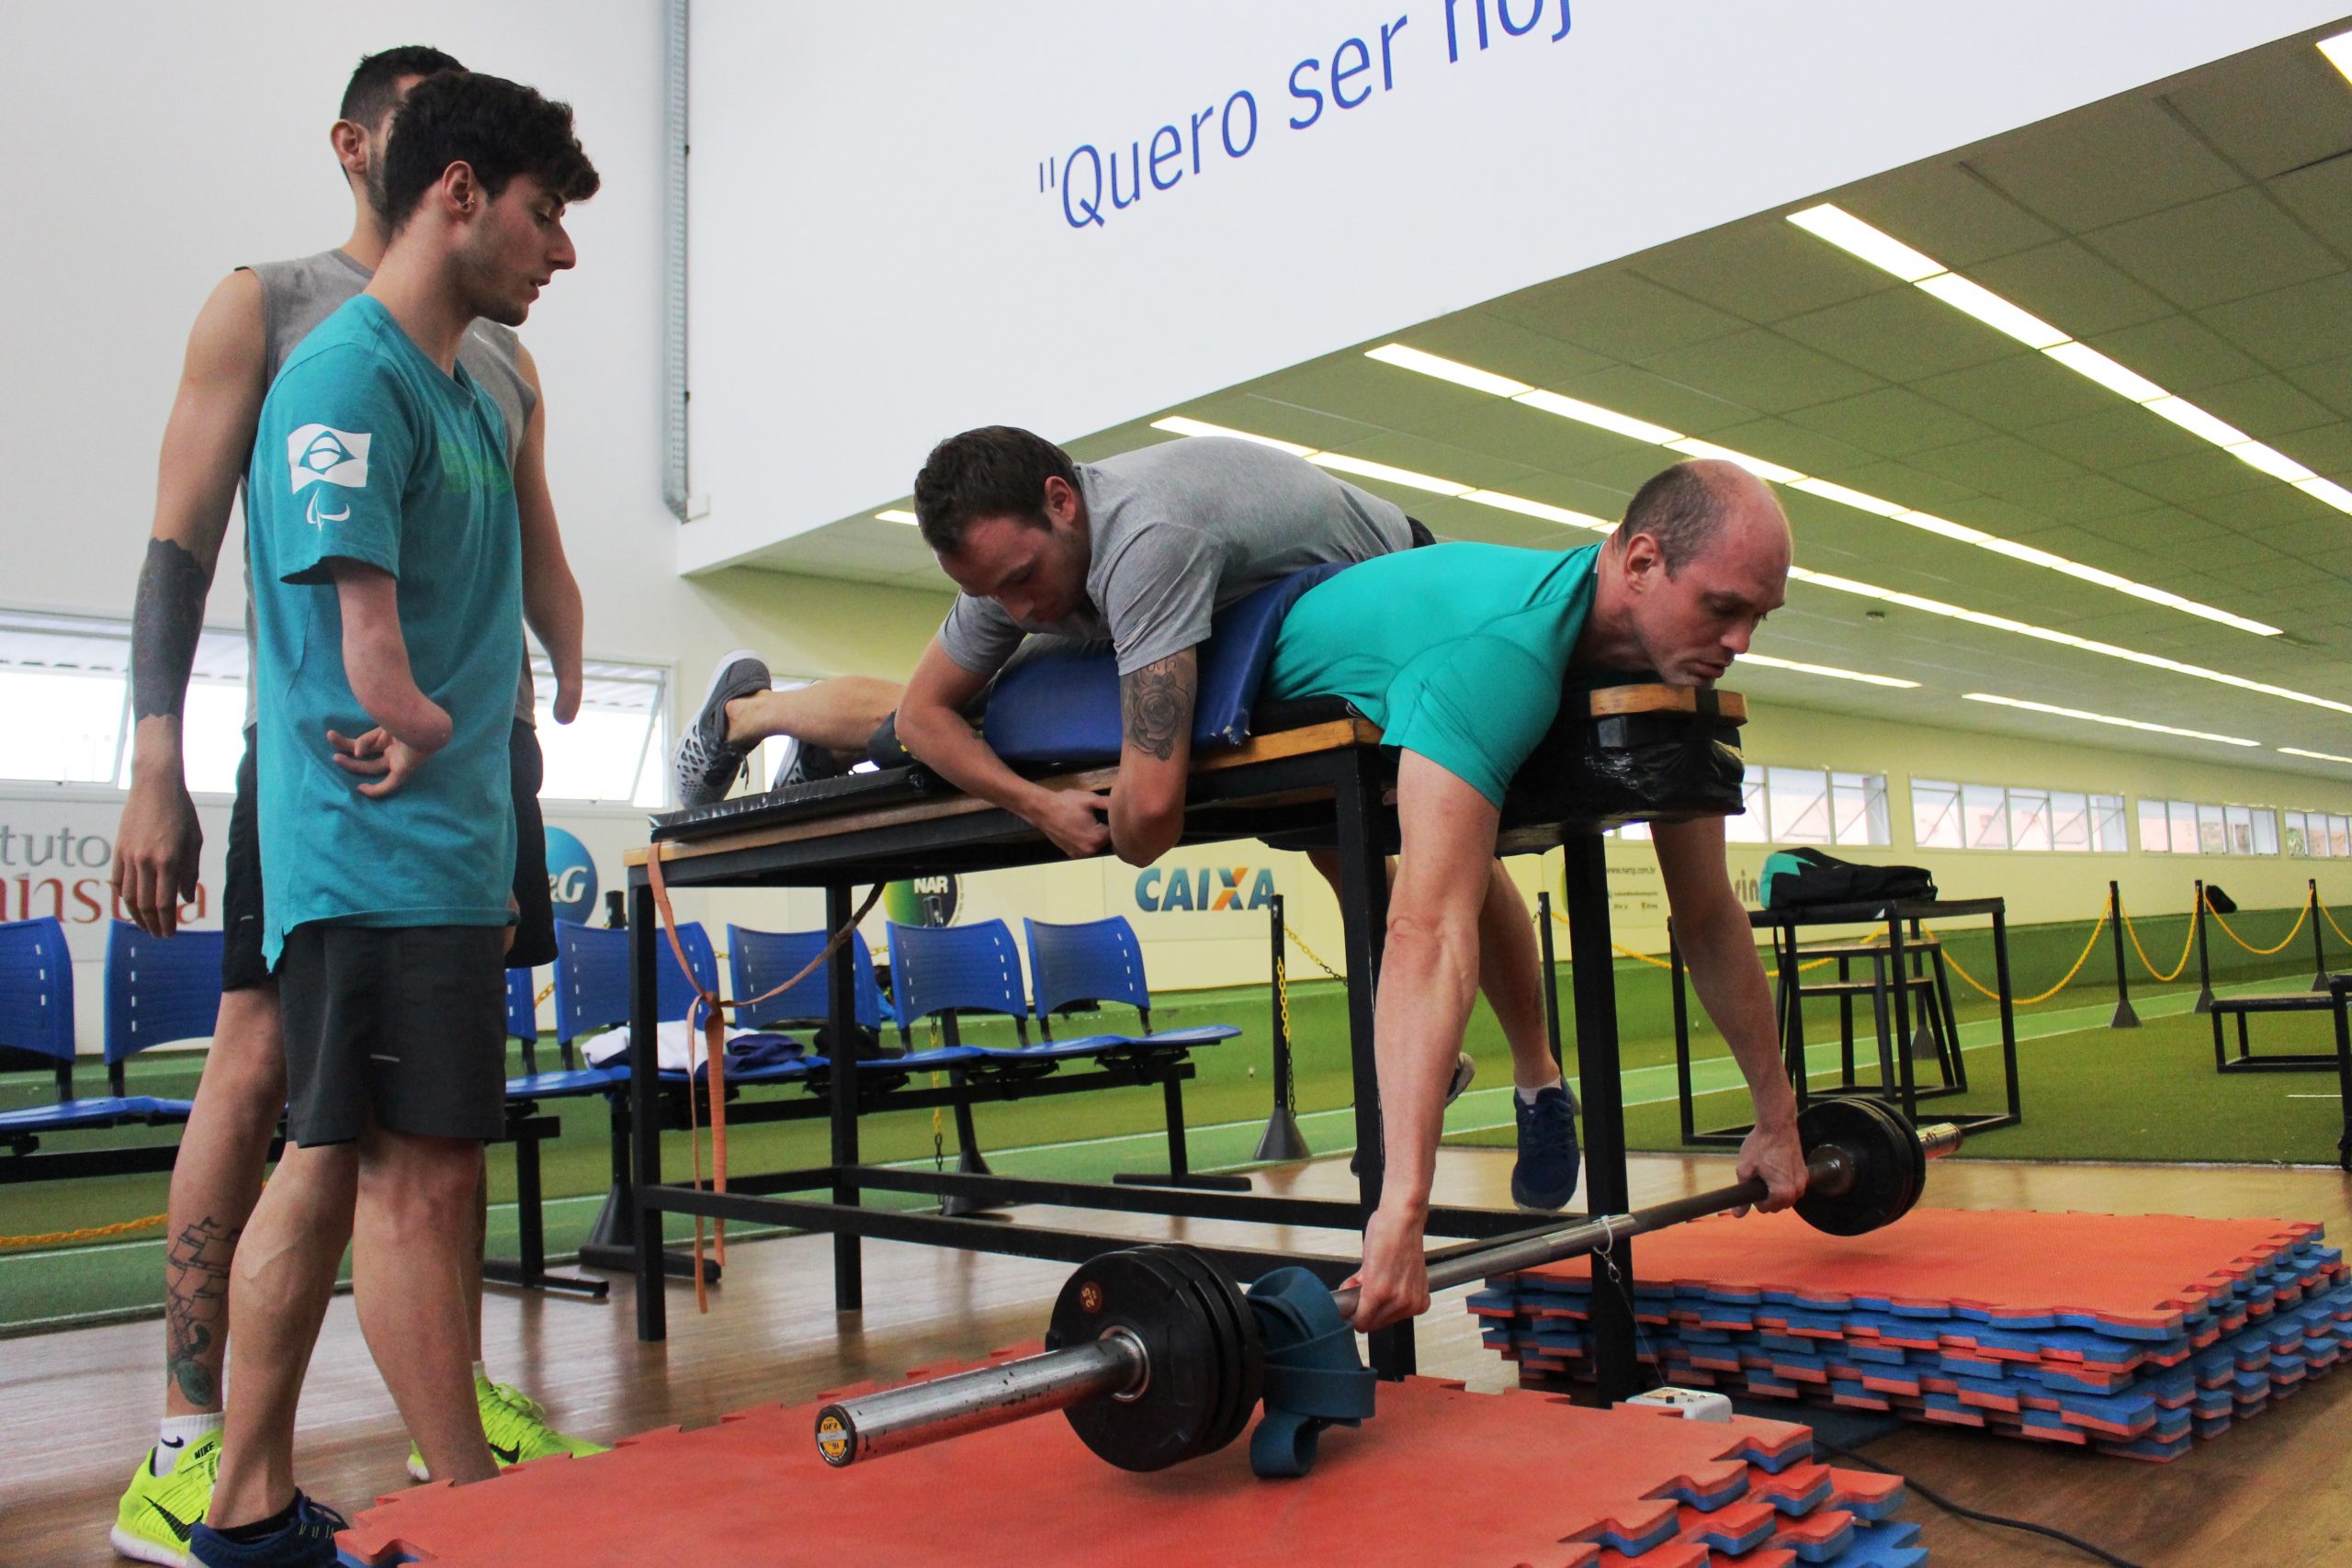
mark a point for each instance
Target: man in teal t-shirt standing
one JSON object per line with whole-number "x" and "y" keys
{"x": 387, "y": 582}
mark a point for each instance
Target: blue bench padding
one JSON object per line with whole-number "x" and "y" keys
{"x": 1062, "y": 705}
{"x": 100, "y": 1110}
{"x": 567, "y": 1082}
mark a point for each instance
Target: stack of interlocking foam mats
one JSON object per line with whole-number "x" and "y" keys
{"x": 2131, "y": 1335}
{"x": 1439, "y": 1476}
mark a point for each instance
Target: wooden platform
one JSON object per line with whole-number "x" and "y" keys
{"x": 80, "y": 1406}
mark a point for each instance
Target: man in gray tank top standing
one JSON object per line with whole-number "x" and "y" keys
{"x": 253, "y": 321}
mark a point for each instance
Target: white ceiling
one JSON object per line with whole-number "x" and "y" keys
{"x": 2199, "y": 230}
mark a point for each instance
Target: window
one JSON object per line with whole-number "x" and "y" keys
{"x": 2195, "y": 827}
{"x": 613, "y": 750}
{"x": 2316, "y": 835}
{"x": 1802, "y": 805}
{"x": 1947, "y": 816}
{"x": 65, "y": 684}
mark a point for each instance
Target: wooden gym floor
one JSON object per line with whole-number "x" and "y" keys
{"x": 77, "y": 1408}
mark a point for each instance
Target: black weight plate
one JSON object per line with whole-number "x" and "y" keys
{"x": 1246, "y": 1363}
{"x": 1905, "y": 1137}
{"x": 1183, "y": 1264}
{"x": 1169, "y": 1419}
{"x": 1887, "y": 1175}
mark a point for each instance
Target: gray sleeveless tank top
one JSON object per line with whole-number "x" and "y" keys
{"x": 297, "y": 296}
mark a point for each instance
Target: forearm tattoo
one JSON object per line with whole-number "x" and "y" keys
{"x": 1157, "y": 702}
{"x": 195, "y": 1299}
{"x": 166, "y": 620}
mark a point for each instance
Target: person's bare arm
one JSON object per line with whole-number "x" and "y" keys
{"x": 207, "y": 441}
{"x": 1719, "y": 946}
{"x": 930, "y": 725}
{"x": 375, "y": 660}
{"x": 1154, "y": 757}
{"x": 550, "y": 594}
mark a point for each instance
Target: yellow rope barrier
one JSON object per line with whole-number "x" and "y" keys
{"x": 1661, "y": 964}
{"x": 2188, "y": 945}
{"x": 2331, "y": 921}
{"x": 94, "y": 1233}
{"x": 2223, "y": 920}
{"x": 2088, "y": 947}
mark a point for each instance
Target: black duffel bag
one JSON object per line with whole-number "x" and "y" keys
{"x": 1800, "y": 879}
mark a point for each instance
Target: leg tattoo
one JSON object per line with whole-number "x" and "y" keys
{"x": 196, "y": 1298}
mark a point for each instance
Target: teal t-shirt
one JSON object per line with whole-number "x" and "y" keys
{"x": 369, "y": 452}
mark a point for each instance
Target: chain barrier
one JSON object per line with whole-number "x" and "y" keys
{"x": 1292, "y": 932}
{"x": 1282, "y": 1000}
{"x": 938, "y": 1114}
{"x": 2223, "y": 920}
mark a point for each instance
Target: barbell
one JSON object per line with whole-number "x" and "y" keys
{"x": 1157, "y": 1355}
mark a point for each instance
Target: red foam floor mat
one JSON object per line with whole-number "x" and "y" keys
{"x": 1439, "y": 1476}
{"x": 2140, "y": 1270}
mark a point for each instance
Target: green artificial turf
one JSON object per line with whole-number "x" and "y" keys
{"x": 2089, "y": 1093}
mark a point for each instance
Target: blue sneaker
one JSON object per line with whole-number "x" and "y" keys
{"x": 1545, "y": 1176}
{"x": 308, "y": 1543}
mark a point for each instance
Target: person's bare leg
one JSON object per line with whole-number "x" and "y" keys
{"x": 1510, "y": 969}
{"x": 840, "y": 714}
{"x": 1511, "y": 972}
{"x": 1429, "y": 974}
{"x": 469, "y": 1267}
{"x": 279, "y": 1286}
{"x": 216, "y": 1178}
{"x": 411, "y": 1239}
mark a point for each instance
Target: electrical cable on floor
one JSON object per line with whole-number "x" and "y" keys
{"x": 1841, "y": 1452}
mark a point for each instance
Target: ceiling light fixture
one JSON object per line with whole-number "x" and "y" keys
{"x": 1830, "y": 669}
{"x": 2338, "y": 50}
{"x": 1889, "y": 254}
{"x": 897, "y": 514}
{"x": 1593, "y": 414}
{"x": 2315, "y": 756}
{"x": 1181, "y": 425}
{"x": 2109, "y": 718}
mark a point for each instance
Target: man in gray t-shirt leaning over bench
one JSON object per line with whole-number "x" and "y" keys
{"x": 1139, "y": 550}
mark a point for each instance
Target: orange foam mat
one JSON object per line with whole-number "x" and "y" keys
{"x": 1439, "y": 1476}
{"x": 2137, "y": 1270}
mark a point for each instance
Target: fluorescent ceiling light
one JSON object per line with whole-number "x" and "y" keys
{"x": 1453, "y": 370}
{"x": 1989, "y": 308}
{"x": 1760, "y": 467}
{"x": 2328, "y": 491}
{"x": 2084, "y": 360}
{"x": 1549, "y": 513}
{"x": 1830, "y": 669}
{"x": 896, "y": 515}
{"x": 1673, "y": 441}
{"x": 2298, "y": 751}
{"x": 1850, "y": 233}
{"x": 1882, "y": 250}
{"x": 1178, "y": 425}
{"x": 2338, "y": 50}
{"x": 1372, "y": 471}
{"x": 2109, "y": 718}
{"x": 1593, "y": 414}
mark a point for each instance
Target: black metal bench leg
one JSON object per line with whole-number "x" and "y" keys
{"x": 1179, "y": 1170}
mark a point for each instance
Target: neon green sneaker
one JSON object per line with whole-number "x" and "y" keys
{"x": 158, "y": 1513}
{"x": 516, "y": 1426}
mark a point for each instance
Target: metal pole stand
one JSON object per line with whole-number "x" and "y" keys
{"x": 2204, "y": 966}
{"x": 1282, "y": 1139}
{"x": 2319, "y": 948}
{"x": 2125, "y": 1018}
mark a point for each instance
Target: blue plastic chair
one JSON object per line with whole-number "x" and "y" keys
{"x": 940, "y": 971}
{"x": 37, "y": 1019}
{"x": 159, "y": 989}
{"x": 1099, "y": 960}
{"x": 758, "y": 959}
{"x": 592, "y": 993}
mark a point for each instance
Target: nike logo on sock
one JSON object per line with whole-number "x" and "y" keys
{"x": 179, "y": 1528}
{"x": 171, "y": 1442}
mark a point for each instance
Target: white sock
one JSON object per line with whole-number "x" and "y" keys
{"x": 1527, "y": 1095}
{"x": 177, "y": 1436}
{"x": 481, "y": 1377}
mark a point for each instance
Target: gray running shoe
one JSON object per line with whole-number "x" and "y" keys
{"x": 803, "y": 763}
{"x": 705, "y": 767}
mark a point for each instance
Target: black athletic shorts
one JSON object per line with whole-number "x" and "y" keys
{"x": 241, "y": 900}
{"x": 404, "y": 1026}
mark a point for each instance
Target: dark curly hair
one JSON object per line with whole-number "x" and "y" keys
{"x": 499, "y": 129}
{"x": 994, "y": 471}
{"x": 374, "y": 90}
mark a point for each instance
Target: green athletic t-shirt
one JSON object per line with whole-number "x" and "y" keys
{"x": 1459, "y": 652}
{"x": 369, "y": 452}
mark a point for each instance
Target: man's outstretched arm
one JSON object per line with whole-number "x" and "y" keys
{"x": 206, "y": 442}
{"x": 1720, "y": 947}
{"x": 1154, "y": 757}
{"x": 930, "y": 725}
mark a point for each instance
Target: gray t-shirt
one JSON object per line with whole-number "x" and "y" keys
{"x": 296, "y": 295}
{"x": 1180, "y": 530}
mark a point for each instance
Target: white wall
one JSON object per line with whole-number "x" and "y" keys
{"x": 877, "y": 261}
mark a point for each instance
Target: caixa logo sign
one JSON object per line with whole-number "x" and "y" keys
{"x": 1165, "y": 889}
{"x": 571, "y": 877}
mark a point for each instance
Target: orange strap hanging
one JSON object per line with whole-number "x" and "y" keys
{"x": 714, "y": 1010}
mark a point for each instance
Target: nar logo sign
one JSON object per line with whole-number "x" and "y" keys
{"x": 1161, "y": 890}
